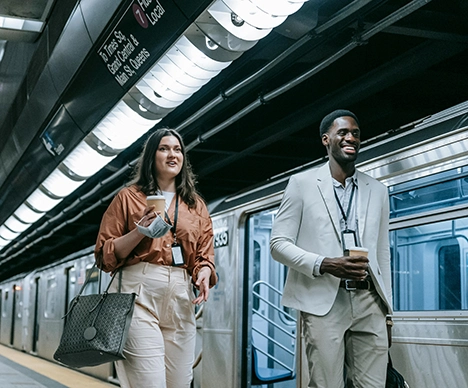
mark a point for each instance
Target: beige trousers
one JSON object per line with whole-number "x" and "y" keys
{"x": 161, "y": 342}
{"x": 354, "y": 334}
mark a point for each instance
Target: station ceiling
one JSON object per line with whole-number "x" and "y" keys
{"x": 391, "y": 62}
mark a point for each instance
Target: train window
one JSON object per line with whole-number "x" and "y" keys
{"x": 4, "y": 305}
{"x": 448, "y": 188}
{"x": 92, "y": 287}
{"x": 71, "y": 285}
{"x": 256, "y": 272}
{"x": 430, "y": 266}
{"x": 50, "y": 308}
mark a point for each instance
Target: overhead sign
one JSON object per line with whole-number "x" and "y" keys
{"x": 146, "y": 28}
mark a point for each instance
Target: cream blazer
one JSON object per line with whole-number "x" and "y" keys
{"x": 308, "y": 226}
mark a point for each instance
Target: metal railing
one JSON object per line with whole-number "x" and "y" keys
{"x": 271, "y": 323}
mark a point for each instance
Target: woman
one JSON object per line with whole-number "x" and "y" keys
{"x": 160, "y": 347}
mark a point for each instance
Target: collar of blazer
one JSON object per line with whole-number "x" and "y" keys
{"x": 325, "y": 187}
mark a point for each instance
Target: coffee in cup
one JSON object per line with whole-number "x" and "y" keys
{"x": 158, "y": 201}
{"x": 356, "y": 251}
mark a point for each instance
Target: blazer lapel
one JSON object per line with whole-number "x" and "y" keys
{"x": 363, "y": 205}
{"x": 325, "y": 186}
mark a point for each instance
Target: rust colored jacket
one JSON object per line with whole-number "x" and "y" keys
{"x": 194, "y": 234}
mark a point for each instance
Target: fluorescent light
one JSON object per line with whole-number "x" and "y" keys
{"x": 190, "y": 67}
{"x": 85, "y": 161}
{"x": 33, "y": 25}
{"x": 2, "y": 48}
{"x": 200, "y": 58}
{"x": 20, "y": 24}
{"x": 278, "y": 7}
{"x": 3, "y": 242}
{"x": 41, "y": 201}
{"x": 153, "y": 79}
{"x": 253, "y": 15}
{"x": 61, "y": 185}
{"x": 27, "y": 215}
{"x": 11, "y": 23}
{"x": 167, "y": 70}
{"x": 166, "y": 94}
{"x": 243, "y": 30}
{"x": 122, "y": 127}
{"x": 16, "y": 225}
{"x": 7, "y": 234}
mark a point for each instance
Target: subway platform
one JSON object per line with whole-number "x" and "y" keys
{"x": 19, "y": 369}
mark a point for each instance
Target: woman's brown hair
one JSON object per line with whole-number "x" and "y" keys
{"x": 144, "y": 175}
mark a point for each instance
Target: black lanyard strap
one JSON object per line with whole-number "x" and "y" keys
{"x": 345, "y": 215}
{"x": 176, "y": 215}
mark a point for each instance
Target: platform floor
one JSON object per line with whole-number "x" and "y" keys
{"x": 18, "y": 369}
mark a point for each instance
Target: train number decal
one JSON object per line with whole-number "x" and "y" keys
{"x": 221, "y": 239}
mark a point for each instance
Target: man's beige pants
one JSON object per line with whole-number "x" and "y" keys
{"x": 353, "y": 333}
{"x": 161, "y": 342}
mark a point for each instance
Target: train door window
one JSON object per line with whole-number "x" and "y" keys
{"x": 71, "y": 285}
{"x": 256, "y": 272}
{"x": 273, "y": 328}
{"x": 429, "y": 266}
{"x": 13, "y": 316}
{"x": 449, "y": 277}
{"x": 51, "y": 289}
{"x": 35, "y": 336}
{"x": 4, "y": 304}
{"x": 92, "y": 287}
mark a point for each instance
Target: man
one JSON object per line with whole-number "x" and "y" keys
{"x": 343, "y": 300}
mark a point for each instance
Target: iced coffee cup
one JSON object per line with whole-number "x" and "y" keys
{"x": 158, "y": 201}
{"x": 356, "y": 251}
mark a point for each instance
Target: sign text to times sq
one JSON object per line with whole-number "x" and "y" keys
{"x": 122, "y": 52}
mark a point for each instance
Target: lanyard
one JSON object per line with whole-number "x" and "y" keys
{"x": 345, "y": 215}
{"x": 176, "y": 214}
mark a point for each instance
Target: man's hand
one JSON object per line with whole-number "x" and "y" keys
{"x": 346, "y": 267}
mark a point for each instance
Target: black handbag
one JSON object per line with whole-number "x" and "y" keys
{"x": 394, "y": 378}
{"x": 96, "y": 327}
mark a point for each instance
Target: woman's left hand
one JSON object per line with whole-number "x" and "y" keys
{"x": 203, "y": 285}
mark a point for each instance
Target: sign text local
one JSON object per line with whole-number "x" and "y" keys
{"x": 122, "y": 52}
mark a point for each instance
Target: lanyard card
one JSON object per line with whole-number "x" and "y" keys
{"x": 177, "y": 257}
{"x": 349, "y": 239}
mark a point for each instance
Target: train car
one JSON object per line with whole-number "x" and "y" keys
{"x": 251, "y": 338}
{"x": 245, "y": 336}
{"x": 32, "y": 306}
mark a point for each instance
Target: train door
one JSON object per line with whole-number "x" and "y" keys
{"x": 70, "y": 274}
{"x": 6, "y": 312}
{"x": 222, "y": 354}
{"x": 34, "y": 296}
{"x": 1, "y": 309}
{"x": 13, "y": 315}
{"x": 272, "y": 327}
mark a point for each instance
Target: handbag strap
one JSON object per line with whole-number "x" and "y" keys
{"x": 88, "y": 276}
{"x": 103, "y": 295}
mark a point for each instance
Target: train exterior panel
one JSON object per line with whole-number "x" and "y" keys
{"x": 245, "y": 336}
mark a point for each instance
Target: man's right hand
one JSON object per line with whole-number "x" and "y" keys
{"x": 346, "y": 267}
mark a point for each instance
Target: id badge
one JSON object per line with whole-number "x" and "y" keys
{"x": 349, "y": 239}
{"x": 177, "y": 257}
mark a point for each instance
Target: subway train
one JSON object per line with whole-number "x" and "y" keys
{"x": 245, "y": 336}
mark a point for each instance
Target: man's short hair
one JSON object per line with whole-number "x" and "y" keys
{"x": 328, "y": 120}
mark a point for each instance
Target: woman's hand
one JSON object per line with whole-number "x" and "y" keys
{"x": 148, "y": 216}
{"x": 203, "y": 285}
{"x": 125, "y": 244}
